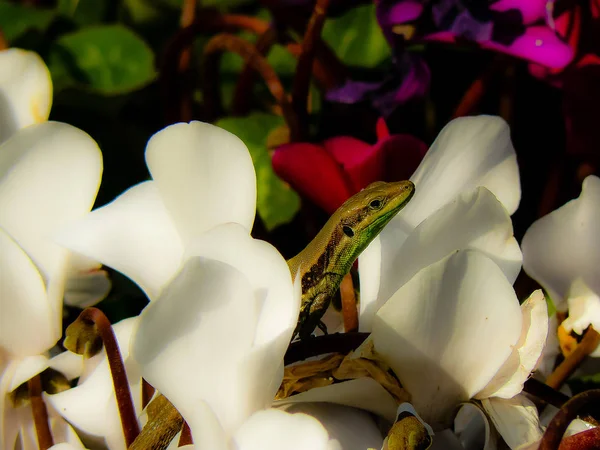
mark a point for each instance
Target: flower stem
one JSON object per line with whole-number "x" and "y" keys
{"x": 164, "y": 422}
{"x": 188, "y": 14}
{"x": 301, "y": 82}
{"x": 228, "y": 42}
{"x": 186, "y": 435}
{"x": 241, "y": 99}
{"x": 569, "y": 411}
{"x": 40, "y": 414}
{"x": 349, "y": 311}
{"x": 117, "y": 369}
{"x": 147, "y": 392}
{"x": 205, "y": 21}
{"x": 588, "y": 344}
{"x": 471, "y": 99}
{"x": 3, "y": 41}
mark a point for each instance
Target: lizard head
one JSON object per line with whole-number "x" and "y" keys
{"x": 365, "y": 214}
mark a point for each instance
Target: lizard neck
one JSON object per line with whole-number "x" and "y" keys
{"x": 324, "y": 254}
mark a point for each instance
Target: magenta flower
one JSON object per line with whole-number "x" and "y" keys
{"x": 521, "y": 29}
{"x": 330, "y": 172}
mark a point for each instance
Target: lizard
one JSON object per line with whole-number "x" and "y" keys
{"x": 325, "y": 261}
{"x": 321, "y": 265}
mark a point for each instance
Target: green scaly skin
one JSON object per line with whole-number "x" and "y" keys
{"x": 325, "y": 261}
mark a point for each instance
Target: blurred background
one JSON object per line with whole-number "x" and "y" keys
{"x": 284, "y": 72}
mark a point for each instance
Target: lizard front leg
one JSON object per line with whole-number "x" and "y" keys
{"x": 311, "y": 312}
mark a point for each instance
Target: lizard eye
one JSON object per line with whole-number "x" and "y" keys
{"x": 348, "y": 231}
{"x": 375, "y": 204}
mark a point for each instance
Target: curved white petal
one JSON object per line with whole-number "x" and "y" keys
{"x": 473, "y": 429}
{"x": 202, "y": 328}
{"x": 447, "y": 440}
{"x": 468, "y": 152}
{"x": 26, "y": 369}
{"x": 516, "y": 419}
{"x": 91, "y": 406}
{"x": 205, "y": 176}
{"x": 68, "y": 363}
{"x": 565, "y": 245}
{"x": 25, "y": 91}
{"x": 270, "y": 276}
{"x": 273, "y": 429}
{"x": 475, "y": 219}
{"x": 362, "y": 393}
{"x": 510, "y": 379}
{"x": 584, "y": 310}
{"x": 352, "y": 428}
{"x": 87, "y": 288}
{"x": 473, "y": 309}
{"x": 207, "y": 432}
{"x": 49, "y": 176}
{"x": 134, "y": 235}
{"x": 61, "y": 431}
{"x": 27, "y": 320}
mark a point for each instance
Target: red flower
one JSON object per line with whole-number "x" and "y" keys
{"x": 331, "y": 172}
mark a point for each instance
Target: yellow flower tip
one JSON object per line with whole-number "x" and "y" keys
{"x": 408, "y": 433}
{"x": 83, "y": 338}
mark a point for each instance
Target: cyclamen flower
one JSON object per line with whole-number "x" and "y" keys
{"x": 49, "y": 176}
{"x": 521, "y": 29}
{"x": 330, "y": 173}
{"x": 561, "y": 252}
{"x": 25, "y": 91}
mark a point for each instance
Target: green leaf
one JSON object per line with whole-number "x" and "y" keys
{"x": 16, "y": 19}
{"x": 83, "y": 12}
{"x": 108, "y": 59}
{"x": 356, "y": 37}
{"x": 277, "y": 203}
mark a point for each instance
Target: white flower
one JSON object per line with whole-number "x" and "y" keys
{"x": 221, "y": 327}
{"x": 49, "y": 176}
{"x": 202, "y": 176}
{"x": 466, "y": 187}
{"x": 25, "y": 91}
{"x": 455, "y": 332}
{"x": 562, "y": 252}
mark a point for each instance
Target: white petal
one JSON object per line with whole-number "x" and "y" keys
{"x": 272, "y": 429}
{"x": 468, "y": 152}
{"x": 584, "y": 310}
{"x": 363, "y": 393}
{"x": 25, "y": 91}
{"x": 510, "y": 379}
{"x": 473, "y": 429}
{"x": 207, "y": 432}
{"x": 134, "y": 235}
{"x": 516, "y": 419}
{"x": 205, "y": 176}
{"x": 564, "y": 245}
{"x": 551, "y": 348}
{"x": 266, "y": 269}
{"x": 68, "y": 363}
{"x": 473, "y": 309}
{"x": 577, "y": 426}
{"x": 49, "y": 176}
{"x": 26, "y": 369}
{"x": 87, "y": 288}
{"x": 352, "y": 428}
{"x": 475, "y": 219}
{"x": 270, "y": 276}
{"x": 27, "y": 321}
{"x": 202, "y": 328}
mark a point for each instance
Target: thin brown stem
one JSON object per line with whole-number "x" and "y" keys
{"x": 186, "y": 435}
{"x": 40, "y": 414}
{"x": 3, "y": 41}
{"x": 164, "y": 422}
{"x": 301, "y": 83}
{"x": 241, "y": 97}
{"x": 147, "y": 392}
{"x": 188, "y": 14}
{"x": 569, "y": 411}
{"x": 588, "y": 344}
{"x": 228, "y": 42}
{"x": 349, "y": 310}
{"x": 117, "y": 369}
{"x": 206, "y": 21}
